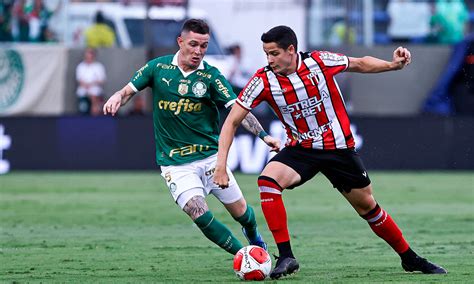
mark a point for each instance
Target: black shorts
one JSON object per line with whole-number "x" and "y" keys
{"x": 343, "y": 167}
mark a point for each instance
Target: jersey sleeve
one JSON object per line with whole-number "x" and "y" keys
{"x": 252, "y": 94}
{"x": 221, "y": 91}
{"x": 334, "y": 62}
{"x": 143, "y": 77}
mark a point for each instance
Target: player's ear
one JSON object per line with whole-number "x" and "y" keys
{"x": 180, "y": 41}
{"x": 291, "y": 49}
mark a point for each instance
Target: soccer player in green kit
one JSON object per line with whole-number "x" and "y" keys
{"x": 186, "y": 92}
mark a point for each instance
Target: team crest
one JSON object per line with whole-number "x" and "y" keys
{"x": 12, "y": 76}
{"x": 183, "y": 89}
{"x": 199, "y": 89}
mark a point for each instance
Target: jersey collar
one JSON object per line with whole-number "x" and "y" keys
{"x": 185, "y": 74}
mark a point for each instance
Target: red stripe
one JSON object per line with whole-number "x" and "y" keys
{"x": 338, "y": 104}
{"x": 267, "y": 183}
{"x": 291, "y": 98}
{"x": 271, "y": 101}
{"x": 312, "y": 90}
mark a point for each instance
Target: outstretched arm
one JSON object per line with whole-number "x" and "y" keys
{"x": 117, "y": 100}
{"x": 233, "y": 120}
{"x": 369, "y": 64}
{"x": 250, "y": 122}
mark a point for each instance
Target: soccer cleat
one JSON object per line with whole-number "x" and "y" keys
{"x": 284, "y": 266}
{"x": 422, "y": 265}
{"x": 258, "y": 241}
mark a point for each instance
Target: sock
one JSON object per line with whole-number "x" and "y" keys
{"x": 284, "y": 249}
{"x": 249, "y": 223}
{"x": 275, "y": 213}
{"x": 408, "y": 255}
{"x": 384, "y": 227}
{"x": 218, "y": 233}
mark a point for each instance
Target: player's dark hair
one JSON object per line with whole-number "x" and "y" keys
{"x": 283, "y": 36}
{"x": 195, "y": 26}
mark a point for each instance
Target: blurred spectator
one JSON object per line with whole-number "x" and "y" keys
{"x": 20, "y": 24}
{"x": 338, "y": 34}
{"x": 38, "y": 15}
{"x": 409, "y": 20}
{"x": 238, "y": 77}
{"x": 99, "y": 34}
{"x": 454, "y": 91}
{"x": 450, "y": 21}
{"x": 6, "y": 7}
{"x": 463, "y": 83}
{"x": 90, "y": 76}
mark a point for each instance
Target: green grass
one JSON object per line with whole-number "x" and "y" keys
{"x": 111, "y": 227}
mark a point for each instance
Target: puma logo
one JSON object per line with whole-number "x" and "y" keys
{"x": 167, "y": 81}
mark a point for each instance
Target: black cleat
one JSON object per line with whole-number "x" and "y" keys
{"x": 284, "y": 266}
{"x": 422, "y": 265}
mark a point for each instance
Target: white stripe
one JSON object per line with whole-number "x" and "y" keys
{"x": 269, "y": 189}
{"x": 133, "y": 87}
{"x": 372, "y": 220}
{"x": 330, "y": 112}
{"x": 229, "y": 103}
{"x": 300, "y": 90}
{"x": 279, "y": 98}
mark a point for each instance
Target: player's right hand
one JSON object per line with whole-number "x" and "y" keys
{"x": 221, "y": 178}
{"x": 113, "y": 104}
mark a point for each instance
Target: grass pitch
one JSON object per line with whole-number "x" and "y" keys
{"x": 116, "y": 227}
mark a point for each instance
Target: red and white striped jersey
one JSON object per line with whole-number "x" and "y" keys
{"x": 308, "y": 102}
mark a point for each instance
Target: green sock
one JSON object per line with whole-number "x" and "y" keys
{"x": 249, "y": 223}
{"x": 218, "y": 233}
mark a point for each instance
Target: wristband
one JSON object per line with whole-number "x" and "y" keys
{"x": 262, "y": 134}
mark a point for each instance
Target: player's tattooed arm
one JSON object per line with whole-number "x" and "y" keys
{"x": 195, "y": 207}
{"x": 252, "y": 125}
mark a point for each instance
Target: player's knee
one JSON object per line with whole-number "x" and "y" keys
{"x": 268, "y": 184}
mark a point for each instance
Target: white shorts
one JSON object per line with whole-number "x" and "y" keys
{"x": 197, "y": 179}
{"x": 95, "y": 91}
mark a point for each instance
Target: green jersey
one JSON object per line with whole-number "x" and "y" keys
{"x": 185, "y": 108}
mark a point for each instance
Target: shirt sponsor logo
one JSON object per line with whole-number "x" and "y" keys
{"x": 140, "y": 72}
{"x": 331, "y": 56}
{"x": 305, "y": 108}
{"x": 222, "y": 89}
{"x": 188, "y": 150}
{"x": 165, "y": 66}
{"x": 204, "y": 74}
{"x": 250, "y": 88}
{"x": 315, "y": 134}
{"x": 199, "y": 89}
{"x": 183, "y": 105}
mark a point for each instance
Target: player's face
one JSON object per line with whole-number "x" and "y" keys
{"x": 192, "y": 48}
{"x": 282, "y": 61}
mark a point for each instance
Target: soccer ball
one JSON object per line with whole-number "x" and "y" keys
{"x": 252, "y": 263}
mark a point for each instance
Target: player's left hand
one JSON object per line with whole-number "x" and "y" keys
{"x": 273, "y": 143}
{"x": 401, "y": 57}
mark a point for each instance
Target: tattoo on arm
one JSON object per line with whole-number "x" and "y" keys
{"x": 252, "y": 125}
{"x": 195, "y": 207}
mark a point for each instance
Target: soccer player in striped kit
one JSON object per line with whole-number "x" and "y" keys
{"x": 302, "y": 90}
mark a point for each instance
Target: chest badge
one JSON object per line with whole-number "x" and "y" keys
{"x": 183, "y": 89}
{"x": 199, "y": 89}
